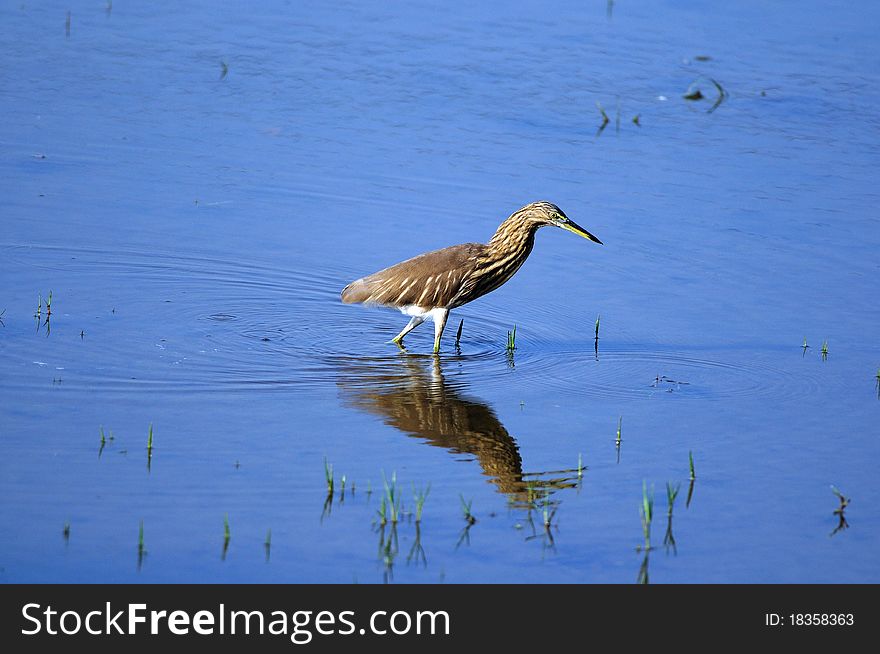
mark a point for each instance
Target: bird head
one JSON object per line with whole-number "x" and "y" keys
{"x": 549, "y": 214}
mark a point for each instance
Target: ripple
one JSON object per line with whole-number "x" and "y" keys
{"x": 208, "y": 324}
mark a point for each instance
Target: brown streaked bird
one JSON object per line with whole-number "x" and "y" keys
{"x": 432, "y": 284}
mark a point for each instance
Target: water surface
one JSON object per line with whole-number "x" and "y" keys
{"x": 196, "y": 185}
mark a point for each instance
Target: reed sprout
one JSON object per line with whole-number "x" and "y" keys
{"x": 511, "y": 340}
{"x": 328, "y": 475}
{"x": 646, "y": 511}
{"x": 466, "y": 509}
{"x": 392, "y": 494}
{"x": 420, "y": 497}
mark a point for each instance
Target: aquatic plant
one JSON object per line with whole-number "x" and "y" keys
{"x": 382, "y": 512}
{"x": 597, "y": 326}
{"x": 511, "y": 340}
{"x": 671, "y": 494}
{"x": 466, "y": 509}
{"x": 840, "y": 512}
{"x": 619, "y": 424}
{"x": 420, "y": 497}
{"x": 691, "y": 465}
{"x": 646, "y": 511}
{"x": 458, "y": 333}
{"x": 580, "y": 468}
{"x": 824, "y": 350}
{"x": 393, "y": 497}
{"x": 844, "y": 501}
{"x": 328, "y": 475}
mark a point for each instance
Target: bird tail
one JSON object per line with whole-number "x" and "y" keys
{"x": 356, "y": 292}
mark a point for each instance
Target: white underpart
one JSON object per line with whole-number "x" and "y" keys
{"x": 421, "y": 312}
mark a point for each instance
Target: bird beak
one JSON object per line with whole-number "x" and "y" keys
{"x": 573, "y": 227}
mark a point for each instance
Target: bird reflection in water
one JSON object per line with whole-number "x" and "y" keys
{"x": 411, "y": 394}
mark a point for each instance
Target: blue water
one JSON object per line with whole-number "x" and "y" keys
{"x": 195, "y": 184}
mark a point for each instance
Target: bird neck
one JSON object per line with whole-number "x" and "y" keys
{"x": 514, "y": 238}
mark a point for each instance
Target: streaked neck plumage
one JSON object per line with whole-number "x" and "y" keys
{"x": 514, "y": 238}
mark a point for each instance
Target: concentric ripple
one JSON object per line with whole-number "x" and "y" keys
{"x": 182, "y": 323}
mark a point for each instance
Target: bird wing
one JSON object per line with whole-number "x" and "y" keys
{"x": 429, "y": 280}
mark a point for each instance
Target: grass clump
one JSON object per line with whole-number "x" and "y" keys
{"x": 511, "y": 340}
{"x": 392, "y": 496}
{"x": 466, "y": 510}
{"x": 420, "y": 497}
{"x": 646, "y": 511}
{"x": 328, "y": 475}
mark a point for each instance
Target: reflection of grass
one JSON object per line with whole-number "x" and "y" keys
{"x": 548, "y": 514}
{"x": 605, "y": 119}
{"x": 141, "y": 549}
{"x": 643, "y": 570}
{"x": 227, "y": 535}
{"x": 149, "y": 447}
{"x": 840, "y": 512}
{"x": 417, "y": 552}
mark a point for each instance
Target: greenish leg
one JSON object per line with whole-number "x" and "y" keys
{"x": 440, "y": 317}
{"x": 414, "y": 322}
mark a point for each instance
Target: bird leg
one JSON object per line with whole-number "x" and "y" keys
{"x": 414, "y": 322}
{"x": 440, "y": 316}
